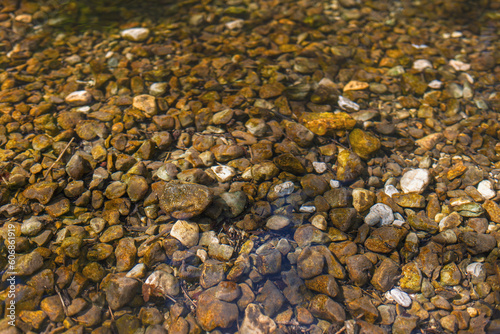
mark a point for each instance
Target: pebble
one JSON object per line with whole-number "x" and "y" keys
{"x": 284, "y": 189}
{"x": 485, "y": 187}
{"x": 421, "y": 64}
{"x": 187, "y": 233}
{"x": 120, "y": 291}
{"x": 162, "y": 284}
{"x": 415, "y": 180}
{"x": 400, "y": 297}
{"x": 346, "y": 104}
{"x": 135, "y": 34}
{"x": 146, "y": 103}
{"x": 78, "y": 98}
{"x": 255, "y": 322}
{"x": 184, "y": 200}
{"x": 380, "y": 213}
{"x": 459, "y": 65}
{"x": 277, "y": 222}
{"x": 31, "y": 227}
{"x": 224, "y": 173}
{"x": 319, "y": 167}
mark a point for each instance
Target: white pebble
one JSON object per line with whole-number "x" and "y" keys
{"x": 421, "y": 64}
{"x": 187, "y": 233}
{"x": 319, "y": 221}
{"x": 415, "y": 181}
{"x": 236, "y": 24}
{"x": 398, "y": 222}
{"x": 346, "y": 104}
{"x": 138, "y": 271}
{"x": 319, "y": 167}
{"x": 73, "y": 59}
{"x": 79, "y": 98}
{"x": 334, "y": 184}
{"x": 223, "y": 173}
{"x": 435, "y": 84}
{"x": 380, "y": 213}
{"x": 474, "y": 269}
{"x": 135, "y": 34}
{"x": 456, "y": 34}
{"x": 284, "y": 189}
{"x": 390, "y": 190}
{"x": 307, "y": 208}
{"x": 459, "y": 65}
{"x": 485, "y": 187}
{"x": 158, "y": 88}
{"x": 400, "y": 297}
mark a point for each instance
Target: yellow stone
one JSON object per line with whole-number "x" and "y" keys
{"x": 321, "y": 123}
{"x": 356, "y": 85}
{"x": 455, "y": 171}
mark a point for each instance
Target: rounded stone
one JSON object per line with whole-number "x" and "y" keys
{"x": 363, "y": 143}
{"x": 184, "y": 200}
{"x": 187, "y": 233}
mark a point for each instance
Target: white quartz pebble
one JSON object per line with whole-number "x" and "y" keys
{"x": 415, "y": 181}
{"x": 400, "y": 297}
{"x": 346, "y": 104}
{"x": 421, "y": 64}
{"x": 135, "y": 34}
{"x": 319, "y": 167}
{"x": 79, "y": 98}
{"x": 223, "y": 173}
{"x": 390, "y": 190}
{"x": 435, "y": 84}
{"x": 486, "y": 190}
{"x": 334, "y": 184}
{"x": 380, "y": 213}
{"x": 459, "y": 65}
{"x": 284, "y": 189}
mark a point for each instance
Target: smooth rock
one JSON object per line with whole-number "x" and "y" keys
{"x": 415, "y": 180}
{"x": 380, "y": 213}
{"x": 184, "y": 200}
{"x": 187, "y": 233}
{"x": 135, "y": 34}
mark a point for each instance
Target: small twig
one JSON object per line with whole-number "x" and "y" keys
{"x": 156, "y": 237}
{"x": 344, "y": 328}
{"x": 62, "y": 300}
{"x": 59, "y": 158}
{"x": 111, "y": 312}
{"x": 187, "y": 296}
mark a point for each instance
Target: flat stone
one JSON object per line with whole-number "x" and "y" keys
{"x": 321, "y": 123}
{"x": 41, "y": 191}
{"x": 323, "y": 307}
{"x": 135, "y": 34}
{"x": 184, "y": 200}
{"x": 255, "y": 322}
{"x": 79, "y": 98}
{"x": 146, "y": 103}
{"x": 385, "y": 275}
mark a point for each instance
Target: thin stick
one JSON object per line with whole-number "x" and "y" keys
{"x": 59, "y": 158}
{"x": 62, "y": 300}
{"x": 187, "y": 296}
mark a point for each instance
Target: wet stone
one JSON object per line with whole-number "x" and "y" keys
{"x": 363, "y": 143}
{"x": 359, "y": 268}
{"x": 184, "y": 200}
{"x": 385, "y": 275}
{"x": 135, "y": 34}
{"x": 415, "y": 180}
{"x": 120, "y": 291}
{"x": 324, "y": 307}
